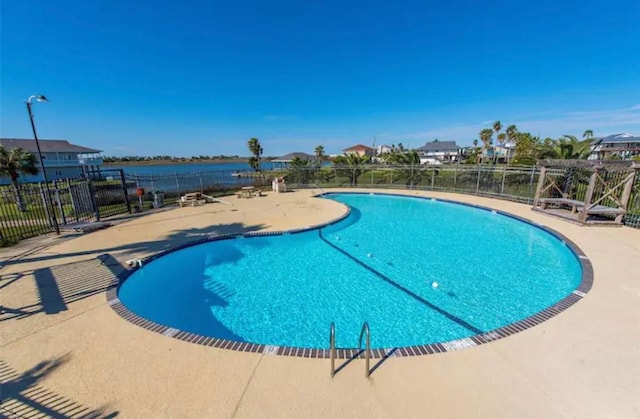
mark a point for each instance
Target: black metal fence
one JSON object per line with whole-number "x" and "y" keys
{"x": 35, "y": 209}
{"x": 172, "y": 186}
{"x": 513, "y": 183}
{"x": 111, "y": 192}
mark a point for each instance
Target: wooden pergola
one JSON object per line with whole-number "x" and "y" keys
{"x": 586, "y": 191}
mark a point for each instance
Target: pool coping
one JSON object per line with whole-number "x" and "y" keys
{"x": 349, "y": 353}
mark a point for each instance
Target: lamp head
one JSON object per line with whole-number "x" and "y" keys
{"x": 41, "y": 98}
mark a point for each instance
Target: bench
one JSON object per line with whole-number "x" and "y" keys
{"x": 578, "y": 206}
{"x": 574, "y": 204}
{"x": 248, "y": 192}
{"x": 192, "y": 199}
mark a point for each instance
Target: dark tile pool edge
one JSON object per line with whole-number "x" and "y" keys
{"x": 348, "y": 353}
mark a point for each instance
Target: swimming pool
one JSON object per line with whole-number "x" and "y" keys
{"x": 419, "y": 271}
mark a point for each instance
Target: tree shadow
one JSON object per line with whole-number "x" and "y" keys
{"x": 22, "y": 396}
{"x": 173, "y": 239}
{"x": 188, "y": 299}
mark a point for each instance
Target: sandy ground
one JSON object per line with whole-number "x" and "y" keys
{"x": 74, "y": 356}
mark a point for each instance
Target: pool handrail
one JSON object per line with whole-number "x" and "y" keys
{"x": 332, "y": 348}
{"x": 367, "y": 351}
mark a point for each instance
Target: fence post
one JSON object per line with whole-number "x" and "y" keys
{"x": 153, "y": 186}
{"x": 58, "y": 199}
{"x": 433, "y": 176}
{"x": 478, "y": 181}
{"x": 533, "y": 174}
{"x": 411, "y": 182}
{"x": 504, "y": 174}
{"x": 92, "y": 197}
{"x": 178, "y": 183}
{"x": 73, "y": 201}
{"x": 124, "y": 190}
{"x": 201, "y": 185}
{"x": 455, "y": 174}
{"x": 49, "y": 211}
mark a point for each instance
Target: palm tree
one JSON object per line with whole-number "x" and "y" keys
{"x": 587, "y": 134}
{"x": 320, "y": 156}
{"x": 319, "y": 152}
{"x": 12, "y": 164}
{"x": 256, "y": 149}
{"x": 486, "y": 136}
{"x": 527, "y": 148}
{"x": 410, "y": 162}
{"x": 351, "y": 165}
{"x": 301, "y": 171}
{"x": 497, "y": 127}
{"x": 567, "y": 147}
{"x": 512, "y": 137}
{"x": 475, "y": 143}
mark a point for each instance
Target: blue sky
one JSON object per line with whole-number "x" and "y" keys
{"x": 202, "y": 77}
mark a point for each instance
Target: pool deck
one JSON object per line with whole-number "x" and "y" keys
{"x": 69, "y": 350}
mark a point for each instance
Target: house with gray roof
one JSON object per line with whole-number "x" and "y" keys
{"x": 625, "y": 146}
{"x": 284, "y": 161}
{"x": 61, "y": 159}
{"x": 438, "y": 152}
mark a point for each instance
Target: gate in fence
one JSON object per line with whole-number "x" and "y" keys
{"x": 36, "y": 209}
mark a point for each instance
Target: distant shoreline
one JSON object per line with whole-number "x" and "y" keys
{"x": 171, "y": 162}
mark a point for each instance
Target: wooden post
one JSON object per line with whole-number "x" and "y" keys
{"x": 541, "y": 178}
{"x": 626, "y": 194}
{"x": 587, "y": 197}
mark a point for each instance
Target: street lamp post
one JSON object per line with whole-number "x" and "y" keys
{"x": 52, "y": 217}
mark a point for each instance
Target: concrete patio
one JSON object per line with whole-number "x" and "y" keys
{"x": 76, "y": 351}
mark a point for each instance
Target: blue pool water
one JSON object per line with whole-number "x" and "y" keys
{"x": 378, "y": 265}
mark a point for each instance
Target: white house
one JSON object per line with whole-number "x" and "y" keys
{"x": 437, "y": 152}
{"x": 624, "y": 146}
{"x": 382, "y": 149}
{"x": 500, "y": 152}
{"x": 62, "y": 160}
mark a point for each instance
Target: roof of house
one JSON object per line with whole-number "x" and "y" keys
{"x": 620, "y": 138}
{"x": 291, "y": 156}
{"x": 359, "y": 147}
{"x": 46, "y": 146}
{"x": 439, "y": 146}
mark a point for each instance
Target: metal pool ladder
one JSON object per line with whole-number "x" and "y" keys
{"x": 367, "y": 351}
